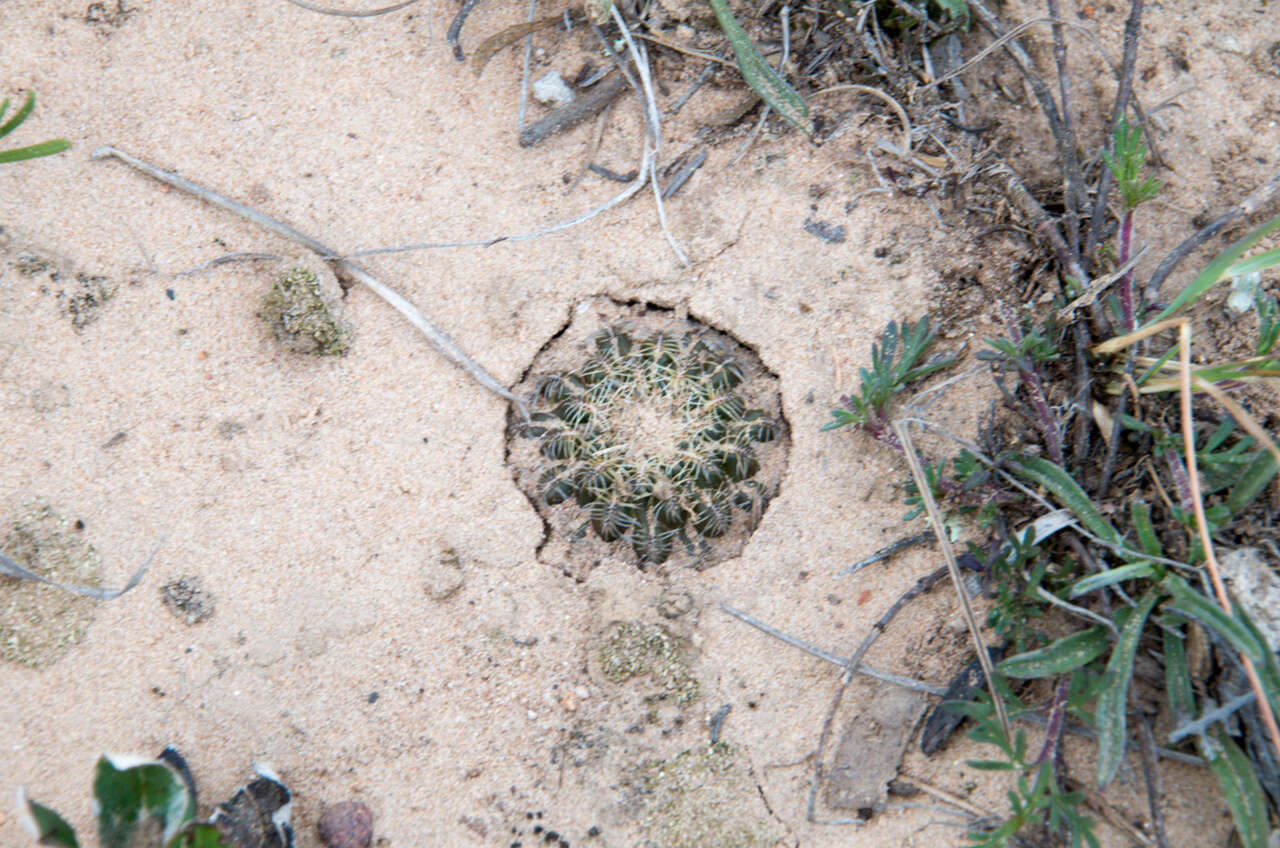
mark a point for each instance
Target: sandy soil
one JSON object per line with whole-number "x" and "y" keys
{"x": 384, "y": 629}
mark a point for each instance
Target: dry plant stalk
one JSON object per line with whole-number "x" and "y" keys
{"x": 953, "y": 567}
{"x": 1202, "y": 525}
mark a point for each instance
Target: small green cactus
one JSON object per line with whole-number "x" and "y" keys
{"x": 652, "y": 440}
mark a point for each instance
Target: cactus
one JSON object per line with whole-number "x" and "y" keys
{"x": 651, "y": 439}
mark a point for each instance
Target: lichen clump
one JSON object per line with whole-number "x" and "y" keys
{"x": 703, "y": 798}
{"x": 652, "y": 439}
{"x": 303, "y": 315}
{"x": 632, "y": 649}
{"x": 39, "y": 623}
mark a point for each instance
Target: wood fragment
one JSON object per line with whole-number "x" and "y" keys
{"x": 567, "y": 117}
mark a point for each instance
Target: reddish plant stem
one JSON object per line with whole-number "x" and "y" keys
{"x": 1126, "y": 283}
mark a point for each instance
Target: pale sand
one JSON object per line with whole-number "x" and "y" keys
{"x": 319, "y": 514}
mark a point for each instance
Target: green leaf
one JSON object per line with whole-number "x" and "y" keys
{"x": 1193, "y": 604}
{"x": 133, "y": 794}
{"x": 1140, "y": 511}
{"x": 1252, "y": 482}
{"x": 19, "y": 116}
{"x": 1066, "y": 654}
{"x": 1216, "y": 270}
{"x": 992, "y": 765}
{"x": 1240, "y": 786}
{"x": 957, "y": 9}
{"x": 760, "y": 75}
{"x": 199, "y": 836}
{"x": 51, "y": 828}
{"x": 1113, "y": 700}
{"x": 1067, "y": 491}
{"x": 1177, "y": 677}
{"x": 1133, "y": 571}
{"x": 34, "y": 151}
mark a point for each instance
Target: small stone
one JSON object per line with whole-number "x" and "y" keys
{"x": 552, "y": 90}
{"x": 348, "y": 824}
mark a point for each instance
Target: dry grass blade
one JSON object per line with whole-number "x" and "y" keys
{"x": 494, "y": 44}
{"x": 345, "y": 13}
{"x": 944, "y": 542}
{"x": 897, "y": 108}
{"x": 9, "y": 568}
{"x": 1202, "y": 525}
{"x": 438, "y": 339}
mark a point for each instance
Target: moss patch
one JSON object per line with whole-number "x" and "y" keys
{"x": 634, "y": 649}
{"x": 305, "y": 313}
{"x": 39, "y": 623}
{"x": 703, "y": 798}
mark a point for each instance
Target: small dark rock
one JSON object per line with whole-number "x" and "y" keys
{"x": 348, "y": 824}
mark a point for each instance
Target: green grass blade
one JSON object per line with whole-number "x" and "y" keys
{"x": 1252, "y": 482}
{"x": 1113, "y": 700}
{"x": 1216, "y": 270}
{"x": 760, "y": 75}
{"x": 1067, "y": 491}
{"x": 34, "y": 151}
{"x": 4, "y": 107}
{"x": 19, "y": 116}
{"x": 1066, "y": 654}
{"x": 51, "y": 828}
{"x": 1254, "y": 264}
{"x": 1132, "y": 571}
{"x": 1240, "y": 786}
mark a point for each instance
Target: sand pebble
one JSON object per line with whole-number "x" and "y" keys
{"x": 348, "y": 824}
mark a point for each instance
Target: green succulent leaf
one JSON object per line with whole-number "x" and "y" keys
{"x": 1112, "y": 701}
{"x": 1066, "y": 654}
{"x": 133, "y": 794}
{"x": 760, "y": 75}
{"x": 51, "y": 828}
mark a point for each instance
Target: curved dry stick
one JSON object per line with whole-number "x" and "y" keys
{"x": 436, "y": 337}
{"x": 343, "y": 13}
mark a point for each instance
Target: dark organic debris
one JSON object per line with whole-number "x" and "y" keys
{"x": 187, "y": 599}
{"x": 582, "y": 109}
{"x": 830, "y": 233}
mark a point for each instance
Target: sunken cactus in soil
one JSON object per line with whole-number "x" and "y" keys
{"x": 651, "y": 439}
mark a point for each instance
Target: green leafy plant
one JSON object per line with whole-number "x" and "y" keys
{"x": 140, "y": 804}
{"x": 652, "y": 439}
{"x": 31, "y": 151}
{"x": 1038, "y": 801}
{"x": 895, "y": 365}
